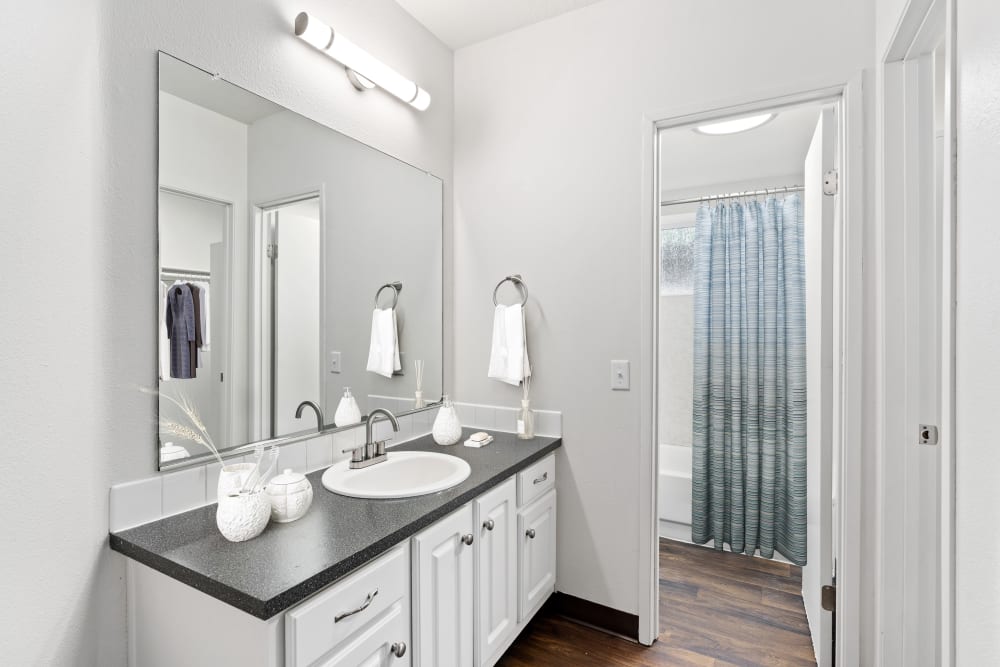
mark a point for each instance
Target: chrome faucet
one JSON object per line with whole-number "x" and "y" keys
{"x": 319, "y": 413}
{"x": 371, "y": 453}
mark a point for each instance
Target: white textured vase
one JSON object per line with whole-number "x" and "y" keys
{"x": 447, "y": 429}
{"x": 242, "y": 516}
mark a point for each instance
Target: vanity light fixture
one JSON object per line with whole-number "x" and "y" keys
{"x": 363, "y": 70}
{"x": 735, "y": 125}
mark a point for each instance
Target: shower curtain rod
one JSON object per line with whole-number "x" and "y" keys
{"x": 735, "y": 195}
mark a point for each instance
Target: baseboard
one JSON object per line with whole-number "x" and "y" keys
{"x": 595, "y": 615}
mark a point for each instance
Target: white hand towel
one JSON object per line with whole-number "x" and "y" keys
{"x": 383, "y": 351}
{"x": 509, "y": 352}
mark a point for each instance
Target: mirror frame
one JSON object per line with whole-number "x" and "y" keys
{"x": 240, "y": 450}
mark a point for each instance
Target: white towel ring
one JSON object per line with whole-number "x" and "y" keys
{"x": 522, "y": 288}
{"x": 396, "y": 287}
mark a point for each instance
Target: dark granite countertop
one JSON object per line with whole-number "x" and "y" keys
{"x": 289, "y": 562}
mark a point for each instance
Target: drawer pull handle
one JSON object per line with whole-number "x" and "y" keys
{"x": 489, "y": 524}
{"x": 398, "y": 649}
{"x": 467, "y": 539}
{"x": 539, "y": 480}
{"x": 530, "y": 533}
{"x": 364, "y": 605}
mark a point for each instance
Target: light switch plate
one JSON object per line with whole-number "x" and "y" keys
{"x": 620, "y": 374}
{"x": 334, "y": 362}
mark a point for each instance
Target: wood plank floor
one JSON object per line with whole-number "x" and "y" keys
{"x": 716, "y": 609}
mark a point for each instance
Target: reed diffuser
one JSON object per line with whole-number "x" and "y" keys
{"x": 418, "y": 368}
{"x": 526, "y": 417}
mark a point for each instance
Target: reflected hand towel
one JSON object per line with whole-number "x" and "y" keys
{"x": 383, "y": 352}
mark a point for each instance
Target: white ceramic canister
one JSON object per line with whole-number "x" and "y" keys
{"x": 291, "y": 494}
{"x": 242, "y": 516}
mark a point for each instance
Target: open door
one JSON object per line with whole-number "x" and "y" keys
{"x": 820, "y": 211}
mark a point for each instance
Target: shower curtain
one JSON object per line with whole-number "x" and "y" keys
{"x": 749, "y": 416}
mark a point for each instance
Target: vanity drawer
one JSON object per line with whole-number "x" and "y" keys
{"x": 314, "y": 628}
{"x": 535, "y": 480}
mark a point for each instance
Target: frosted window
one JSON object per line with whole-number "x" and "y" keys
{"x": 677, "y": 261}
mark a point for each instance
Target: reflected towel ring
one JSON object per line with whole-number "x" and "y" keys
{"x": 396, "y": 288}
{"x": 516, "y": 279}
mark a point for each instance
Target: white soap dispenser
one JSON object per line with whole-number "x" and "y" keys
{"x": 348, "y": 411}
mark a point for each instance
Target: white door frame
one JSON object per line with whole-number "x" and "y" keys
{"x": 922, "y": 24}
{"x": 847, "y": 346}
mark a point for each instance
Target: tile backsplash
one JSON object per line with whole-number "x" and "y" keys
{"x": 164, "y": 494}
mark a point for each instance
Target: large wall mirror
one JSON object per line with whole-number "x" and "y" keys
{"x": 288, "y": 254}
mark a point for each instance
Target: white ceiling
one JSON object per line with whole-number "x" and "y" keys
{"x": 692, "y": 163}
{"x": 459, "y": 23}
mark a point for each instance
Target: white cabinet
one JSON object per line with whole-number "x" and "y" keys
{"x": 536, "y": 528}
{"x": 363, "y": 619}
{"x": 443, "y": 562}
{"x": 496, "y": 571}
{"x": 378, "y": 644}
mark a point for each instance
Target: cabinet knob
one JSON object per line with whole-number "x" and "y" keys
{"x": 488, "y": 524}
{"x": 398, "y": 649}
{"x": 467, "y": 539}
{"x": 530, "y": 533}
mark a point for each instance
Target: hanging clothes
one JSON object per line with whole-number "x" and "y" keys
{"x": 196, "y": 354}
{"x": 181, "y": 331}
{"x": 749, "y": 416}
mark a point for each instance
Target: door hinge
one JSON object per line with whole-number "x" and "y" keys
{"x": 927, "y": 434}
{"x": 831, "y": 182}
{"x": 272, "y": 250}
{"x": 828, "y": 598}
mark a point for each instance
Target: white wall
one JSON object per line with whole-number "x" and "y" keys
{"x": 78, "y": 174}
{"x": 978, "y": 351}
{"x": 64, "y": 595}
{"x": 547, "y": 184}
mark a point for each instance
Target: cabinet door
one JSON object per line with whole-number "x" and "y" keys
{"x": 536, "y": 528}
{"x": 380, "y": 644}
{"x": 442, "y": 592}
{"x": 496, "y": 578}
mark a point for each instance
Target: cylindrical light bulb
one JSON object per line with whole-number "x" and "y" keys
{"x": 353, "y": 57}
{"x": 422, "y": 100}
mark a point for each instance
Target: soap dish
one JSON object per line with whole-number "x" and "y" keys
{"x": 480, "y": 439}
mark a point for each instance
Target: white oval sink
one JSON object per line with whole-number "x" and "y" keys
{"x": 402, "y": 475}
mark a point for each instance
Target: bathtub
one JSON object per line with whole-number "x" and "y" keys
{"x": 674, "y": 497}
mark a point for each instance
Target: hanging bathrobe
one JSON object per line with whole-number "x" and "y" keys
{"x": 181, "y": 331}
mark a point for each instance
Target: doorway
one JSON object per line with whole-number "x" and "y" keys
{"x": 287, "y": 350}
{"x": 839, "y": 281}
{"x": 744, "y": 347}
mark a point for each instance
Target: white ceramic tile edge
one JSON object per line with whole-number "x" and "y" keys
{"x": 141, "y": 501}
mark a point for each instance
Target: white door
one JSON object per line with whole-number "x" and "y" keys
{"x": 496, "y": 590}
{"x": 536, "y": 527}
{"x": 820, "y": 211}
{"x": 443, "y": 582}
{"x": 915, "y": 334}
{"x": 297, "y": 367}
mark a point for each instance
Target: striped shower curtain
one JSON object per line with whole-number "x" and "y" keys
{"x": 749, "y": 416}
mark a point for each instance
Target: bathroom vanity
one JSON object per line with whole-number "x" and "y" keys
{"x": 448, "y": 578}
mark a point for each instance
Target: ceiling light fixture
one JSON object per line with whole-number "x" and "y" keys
{"x": 364, "y": 70}
{"x": 735, "y": 125}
